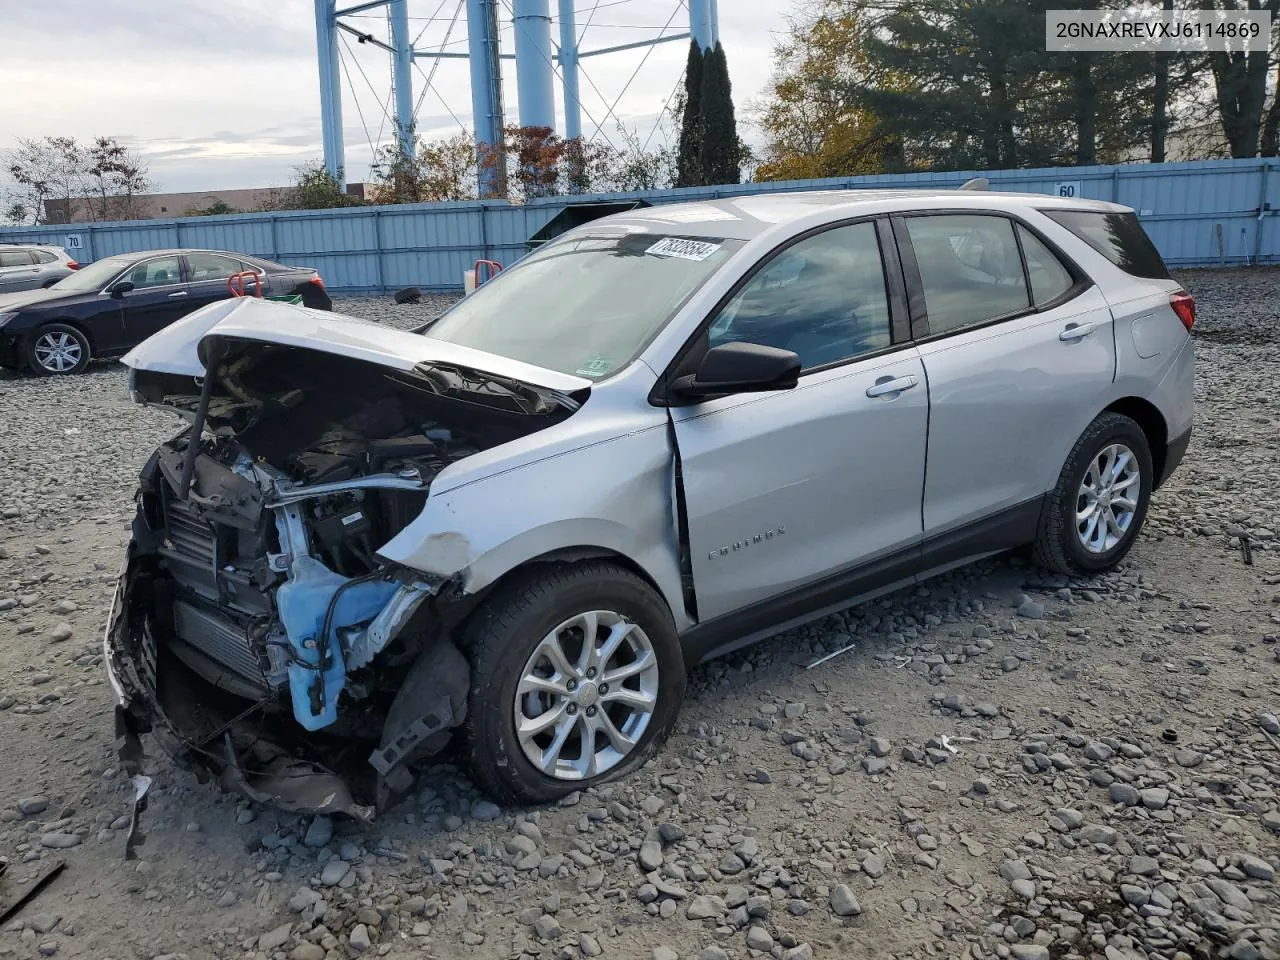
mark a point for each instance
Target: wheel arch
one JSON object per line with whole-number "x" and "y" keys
{"x": 66, "y": 322}
{"x": 462, "y": 606}
{"x": 1154, "y": 427}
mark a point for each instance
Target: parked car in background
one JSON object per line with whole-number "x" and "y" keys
{"x": 111, "y": 305}
{"x": 32, "y": 266}
{"x": 658, "y": 438}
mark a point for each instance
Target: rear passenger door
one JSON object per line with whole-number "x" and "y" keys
{"x": 207, "y": 278}
{"x": 1019, "y": 351}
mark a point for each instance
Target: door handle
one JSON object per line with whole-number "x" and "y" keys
{"x": 1076, "y": 331}
{"x": 887, "y": 385}
{"x": 180, "y": 293}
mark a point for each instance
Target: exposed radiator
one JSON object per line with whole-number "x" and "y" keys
{"x": 219, "y": 639}
{"x": 190, "y": 548}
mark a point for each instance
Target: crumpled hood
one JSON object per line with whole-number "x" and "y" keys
{"x": 176, "y": 349}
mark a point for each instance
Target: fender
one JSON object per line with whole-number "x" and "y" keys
{"x": 621, "y": 503}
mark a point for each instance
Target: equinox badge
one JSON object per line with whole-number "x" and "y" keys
{"x": 746, "y": 542}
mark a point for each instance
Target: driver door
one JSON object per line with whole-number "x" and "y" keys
{"x": 159, "y": 297}
{"x": 817, "y": 490}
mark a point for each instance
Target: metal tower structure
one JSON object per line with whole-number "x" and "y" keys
{"x": 537, "y": 60}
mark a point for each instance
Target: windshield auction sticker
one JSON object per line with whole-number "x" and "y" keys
{"x": 697, "y": 250}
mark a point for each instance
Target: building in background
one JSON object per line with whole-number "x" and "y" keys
{"x": 159, "y": 206}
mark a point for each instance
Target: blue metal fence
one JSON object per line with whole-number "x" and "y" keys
{"x": 1203, "y": 213}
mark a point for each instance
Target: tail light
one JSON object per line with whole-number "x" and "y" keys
{"x": 73, "y": 265}
{"x": 1184, "y": 305}
{"x": 317, "y": 281}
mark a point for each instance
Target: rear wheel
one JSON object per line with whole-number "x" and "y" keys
{"x": 1100, "y": 502}
{"x": 58, "y": 348}
{"x": 577, "y": 678}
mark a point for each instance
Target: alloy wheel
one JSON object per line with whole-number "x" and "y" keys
{"x": 1107, "y": 501}
{"x": 586, "y": 695}
{"x": 58, "y": 351}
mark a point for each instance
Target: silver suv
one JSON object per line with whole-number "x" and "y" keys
{"x": 660, "y": 437}
{"x": 33, "y": 266}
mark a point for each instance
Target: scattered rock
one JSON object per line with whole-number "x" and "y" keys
{"x": 843, "y": 902}
{"x": 274, "y": 939}
{"x": 359, "y": 940}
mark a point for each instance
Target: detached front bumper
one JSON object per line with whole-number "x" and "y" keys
{"x": 212, "y": 747}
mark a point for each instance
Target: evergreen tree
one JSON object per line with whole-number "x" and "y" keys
{"x": 689, "y": 158}
{"x": 721, "y": 151}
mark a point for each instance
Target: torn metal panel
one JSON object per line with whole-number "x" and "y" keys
{"x": 363, "y": 646}
{"x": 135, "y": 837}
{"x": 292, "y": 785}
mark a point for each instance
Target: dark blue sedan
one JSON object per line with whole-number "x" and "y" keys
{"x": 110, "y": 306}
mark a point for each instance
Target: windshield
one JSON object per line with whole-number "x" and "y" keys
{"x": 585, "y": 306}
{"x": 93, "y": 277}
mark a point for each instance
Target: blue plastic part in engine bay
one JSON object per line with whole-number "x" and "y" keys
{"x": 302, "y": 603}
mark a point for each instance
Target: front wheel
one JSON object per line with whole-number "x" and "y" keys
{"x": 57, "y": 348}
{"x": 1098, "y": 507}
{"x": 576, "y": 678}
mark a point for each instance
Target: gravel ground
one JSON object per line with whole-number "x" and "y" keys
{"x": 1004, "y": 766}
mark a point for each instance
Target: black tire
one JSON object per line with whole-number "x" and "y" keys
{"x": 503, "y": 634}
{"x": 38, "y": 339}
{"x": 1058, "y": 545}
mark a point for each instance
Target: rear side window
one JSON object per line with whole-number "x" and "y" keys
{"x": 1049, "y": 278}
{"x": 208, "y": 266}
{"x": 15, "y": 258}
{"x": 44, "y": 256}
{"x": 1117, "y": 236}
{"x": 969, "y": 267}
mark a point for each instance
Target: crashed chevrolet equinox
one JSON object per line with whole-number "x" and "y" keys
{"x": 662, "y": 436}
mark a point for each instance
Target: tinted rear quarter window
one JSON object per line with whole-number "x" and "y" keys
{"x": 1117, "y": 236}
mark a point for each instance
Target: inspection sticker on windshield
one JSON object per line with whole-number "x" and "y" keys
{"x": 595, "y": 367}
{"x": 683, "y": 249}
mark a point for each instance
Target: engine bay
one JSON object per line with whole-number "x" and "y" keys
{"x": 257, "y": 585}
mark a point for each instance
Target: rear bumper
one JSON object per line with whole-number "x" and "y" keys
{"x": 1174, "y": 452}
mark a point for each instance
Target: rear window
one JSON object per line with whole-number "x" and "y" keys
{"x": 1117, "y": 236}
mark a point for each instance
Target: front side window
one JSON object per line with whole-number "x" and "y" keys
{"x": 155, "y": 273}
{"x": 969, "y": 267}
{"x": 586, "y": 305}
{"x": 209, "y": 266}
{"x": 823, "y": 298}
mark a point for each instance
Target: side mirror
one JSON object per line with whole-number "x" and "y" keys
{"x": 740, "y": 368}
{"x": 120, "y": 288}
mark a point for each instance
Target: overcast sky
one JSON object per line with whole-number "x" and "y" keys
{"x": 224, "y": 93}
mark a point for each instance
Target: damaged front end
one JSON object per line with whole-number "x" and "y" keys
{"x": 256, "y": 633}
